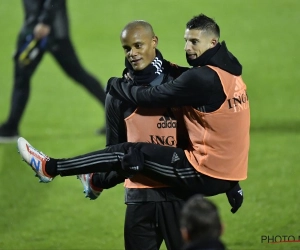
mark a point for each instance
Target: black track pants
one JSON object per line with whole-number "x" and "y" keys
{"x": 148, "y": 224}
{"x": 166, "y": 164}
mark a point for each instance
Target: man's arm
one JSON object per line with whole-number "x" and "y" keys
{"x": 45, "y": 18}
{"x": 49, "y": 8}
{"x": 115, "y": 134}
{"x": 115, "y": 125}
{"x": 193, "y": 87}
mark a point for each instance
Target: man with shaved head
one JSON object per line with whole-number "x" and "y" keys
{"x": 139, "y": 33}
{"x": 153, "y": 208}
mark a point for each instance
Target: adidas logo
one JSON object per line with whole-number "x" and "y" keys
{"x": 157, "y": 64}
{"x": 166, "y": 122}
{"x": 240, "y": 192}
{"x": 175, "y": 157}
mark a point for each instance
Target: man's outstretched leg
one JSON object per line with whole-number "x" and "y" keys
{"x": 165, "y": 164}
{"x": 46, "y": 168}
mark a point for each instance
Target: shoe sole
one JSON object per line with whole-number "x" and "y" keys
{"x": 88, "y": 194}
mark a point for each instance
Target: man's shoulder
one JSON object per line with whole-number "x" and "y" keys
{"x": 169, "y": 65}
{"x": 203, "y": 71}
{"x": 111, "y": 81}
{"x": 117, "y": 78}
{"x": 173, "y": 69}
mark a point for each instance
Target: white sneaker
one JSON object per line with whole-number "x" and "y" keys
{"x": 35, "y": 159}
{"x": 90, "y": 191}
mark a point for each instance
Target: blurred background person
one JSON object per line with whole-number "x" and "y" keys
{"x": 45, "y": 28}
{"x": 200, "y": 225}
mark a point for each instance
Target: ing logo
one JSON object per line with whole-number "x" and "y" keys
{"x": 163, "y": 140}
{"x": 240, "y": 99}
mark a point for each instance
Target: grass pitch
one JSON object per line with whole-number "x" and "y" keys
{"x": 61, "y": 120}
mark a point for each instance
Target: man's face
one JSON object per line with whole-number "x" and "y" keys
{"x": 197, "y": 42}
{"x": 139, "y": 47}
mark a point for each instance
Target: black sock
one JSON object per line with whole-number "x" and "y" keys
{"x": 51, "y": 167}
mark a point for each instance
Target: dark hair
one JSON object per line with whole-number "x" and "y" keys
{"x": 201, "y": 219}
{"x": 202, "y": 22}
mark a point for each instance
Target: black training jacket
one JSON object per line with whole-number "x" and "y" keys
{"x": 117, "y": 134}
{"x": 199, "y": 87}
{"x": 117, "y": 108}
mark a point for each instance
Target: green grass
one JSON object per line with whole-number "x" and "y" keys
{"x": 61, "y": 119}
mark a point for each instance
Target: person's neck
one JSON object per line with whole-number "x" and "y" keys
{"x": 148, "y": 74}
{"x": 204, "y": 58}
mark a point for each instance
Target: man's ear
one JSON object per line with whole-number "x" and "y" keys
{"x": 155, "y": 41}
{"x": 184, "y": 234}
{"x": 213, "y": 43}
